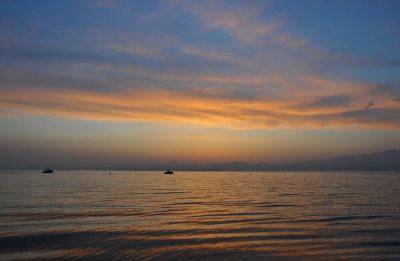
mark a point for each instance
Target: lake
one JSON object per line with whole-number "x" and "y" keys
{"x": 146, "y": 215}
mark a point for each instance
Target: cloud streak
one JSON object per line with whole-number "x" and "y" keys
{"x": 241, "y": 23}
{"x": 370, "y": 104}
{"x": 155, "y": 105}
{"x": 229, "y": 66}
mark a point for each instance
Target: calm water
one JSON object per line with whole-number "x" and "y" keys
{"x": 90, "y": 215}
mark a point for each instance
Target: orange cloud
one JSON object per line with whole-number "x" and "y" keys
{"x": 314, "y": 103}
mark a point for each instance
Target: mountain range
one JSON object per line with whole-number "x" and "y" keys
{"x": 386, "y": 160}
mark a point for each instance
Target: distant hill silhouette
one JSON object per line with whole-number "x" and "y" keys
{"x": 387, "y": 160}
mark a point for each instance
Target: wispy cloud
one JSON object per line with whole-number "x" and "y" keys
{"x": 155, "y": 105}
{"x": 263, "y": 76}
{"x": 241, "y": 23}
{"x": 370, "y": 104}
{"x": 334, "y": 101}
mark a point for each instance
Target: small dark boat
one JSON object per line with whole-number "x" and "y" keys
{"x": 168, "y": 172}
{"x": 47, "y": 171}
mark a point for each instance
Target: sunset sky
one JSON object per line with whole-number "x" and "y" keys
{"x": 120, "y": 83}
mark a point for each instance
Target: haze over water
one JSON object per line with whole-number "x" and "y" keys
{"x": 132, "y": 215}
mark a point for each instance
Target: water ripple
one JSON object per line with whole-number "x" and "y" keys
{"x": 91, "y": 215}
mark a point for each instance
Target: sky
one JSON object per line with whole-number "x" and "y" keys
{"x": 98, "y": 84}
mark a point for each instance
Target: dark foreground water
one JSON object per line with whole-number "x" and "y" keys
{"x": 86, "y": 215}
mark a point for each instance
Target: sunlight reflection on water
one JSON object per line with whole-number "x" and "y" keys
{"x": 199, "y": 215}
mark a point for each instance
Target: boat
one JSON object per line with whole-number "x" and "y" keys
{"x": 47, "y": 171}
{"x": 168, "y": 172}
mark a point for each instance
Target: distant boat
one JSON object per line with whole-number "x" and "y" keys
{"x": 168, "y": 172}
{"x": 47, "y": 171}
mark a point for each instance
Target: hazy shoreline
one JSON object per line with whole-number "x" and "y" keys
{"x": 388, "y": 160}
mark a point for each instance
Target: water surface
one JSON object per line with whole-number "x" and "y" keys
{"x": 132, "y": 215}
